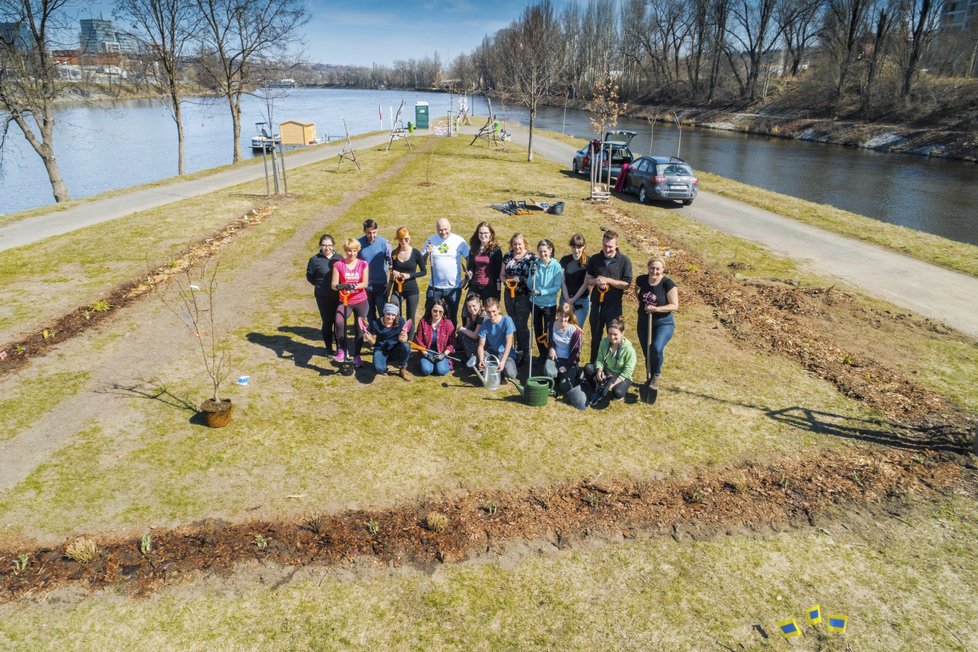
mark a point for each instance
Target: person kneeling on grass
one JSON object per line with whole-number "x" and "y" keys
{"x": 467, "y": 333}
{"x": 390, "y": 341}
{"x": 611, "y": 373}
{"x": 437, "y": 336}
{"x": 564, "y": 354}
{"x": 496, "y": 338}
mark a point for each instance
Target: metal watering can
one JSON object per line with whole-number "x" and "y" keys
{"x": 490, "y": 375}
{"x": 536, "y": 391}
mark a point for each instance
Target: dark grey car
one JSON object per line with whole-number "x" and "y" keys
{"x": 657, "y": 178}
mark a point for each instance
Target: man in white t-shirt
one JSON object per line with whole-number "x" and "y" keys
{"x": 446, "y": 252}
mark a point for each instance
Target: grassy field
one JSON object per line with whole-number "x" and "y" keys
{"x": 308, "y": 441}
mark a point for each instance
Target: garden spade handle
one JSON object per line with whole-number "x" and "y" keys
{"x": 511, "y": 284}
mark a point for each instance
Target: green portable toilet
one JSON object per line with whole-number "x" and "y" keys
{"x": 421, "y": 115}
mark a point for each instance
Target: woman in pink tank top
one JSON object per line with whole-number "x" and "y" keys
{"x": 350, "y": 280}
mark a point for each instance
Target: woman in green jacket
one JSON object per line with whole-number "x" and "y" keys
{"x": 612, "y": 372}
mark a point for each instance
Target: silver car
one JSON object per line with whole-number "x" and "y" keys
{"x": 655, "y": 178}
{"x": 618, "y": 141}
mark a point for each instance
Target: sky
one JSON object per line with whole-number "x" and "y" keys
{"x": 363, "y": 33}
{"x": 383, "y": 31}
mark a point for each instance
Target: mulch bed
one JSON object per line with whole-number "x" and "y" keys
{"x": 749, "y": 499}
{"x": 784, "y": 319}
{"x": 16, "y": 355}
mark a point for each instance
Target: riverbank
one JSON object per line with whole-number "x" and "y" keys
{"x": 943, "y": 121}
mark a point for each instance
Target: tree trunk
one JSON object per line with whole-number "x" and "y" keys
{"x": 43, "y": 148}
{"x": 178, "y": 118}
{"x": 235, "y": 101}
{"x": 529, "y": 147}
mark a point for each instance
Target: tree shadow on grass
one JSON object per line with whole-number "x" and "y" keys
{"x": 287, "y": 348}
{"x": 154, "y": 390}
{"x": 883, "y": 432}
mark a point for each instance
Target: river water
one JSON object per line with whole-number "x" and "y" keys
{"x": 128, "y": 143}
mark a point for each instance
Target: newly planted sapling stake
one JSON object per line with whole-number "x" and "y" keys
{"x": 192, "y": 297}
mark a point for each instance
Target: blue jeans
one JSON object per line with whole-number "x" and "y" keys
{"x": 662, "y": 330}
{"x": 397, "y": 356}
{"x": 438, "y": 367}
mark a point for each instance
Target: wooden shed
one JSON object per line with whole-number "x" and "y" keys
{"x": 297, "y": 133}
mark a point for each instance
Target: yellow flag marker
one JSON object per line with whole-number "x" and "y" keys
{"x": 815, "y": 614}
{"x": 837, "y": 623}
{"x": 789, "y": 628}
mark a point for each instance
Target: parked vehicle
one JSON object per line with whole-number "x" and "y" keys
{"x": 657, "y": 178}
{"x": 618, "y": 140}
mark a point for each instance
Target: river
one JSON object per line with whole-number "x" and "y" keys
{"x": 133, "y": 142}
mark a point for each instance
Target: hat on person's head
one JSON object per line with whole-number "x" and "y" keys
{"x": 391, "y": 309}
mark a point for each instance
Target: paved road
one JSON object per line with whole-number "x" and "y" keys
{"x": 40, "y": 228}
{"x": 935, "y": 292}
{"x": 928, "y": 290}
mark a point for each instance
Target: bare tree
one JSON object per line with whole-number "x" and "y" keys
{"x": 29, "y": 79}
{"x": 881, "y": 20}
{"x": 923, "y": 17}
{"x": 842, "y": 33}
{"x": 757, "y": 32}
{"x": 531, "y": 58}
{"x": 234, "y": 33}
{"x": 798, "y": 21}
{"x": 167, "y": 28}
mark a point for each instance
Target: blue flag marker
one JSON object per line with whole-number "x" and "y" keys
{"x": 815, "y": 614}
{"x": 837, "y": 623}
{"x": 789, "y": 628}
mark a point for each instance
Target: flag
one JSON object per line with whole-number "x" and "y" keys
{"x": 837, "y": 623}
{"x": 815, "y": 614}
{"x": 789, "y": 628}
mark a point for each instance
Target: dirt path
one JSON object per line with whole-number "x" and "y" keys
{"x": 911, "y": 284}
{"x": 151, "y": 339}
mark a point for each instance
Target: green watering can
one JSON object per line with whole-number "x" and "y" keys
{"x": 537, "y": 390}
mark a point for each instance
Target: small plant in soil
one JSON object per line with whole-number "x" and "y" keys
{"x": 697, "y": 495}
{"x": 491, "y": 508}
{"x": 373, "y": 527}
{"x": 260, "y": 542}
{"x": 593, "y": 500}
{"x": 192, "y": 297}
{"x": 784, "y": 482}
{"x": 436, "y": 522}
{"x": 100, "y": 306}
{"x": 146, "y": 544}
{"x": 83, "y": 550}
{"x": 21, "y": 563}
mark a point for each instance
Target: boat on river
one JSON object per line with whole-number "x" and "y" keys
{"x": 266, "y": 143}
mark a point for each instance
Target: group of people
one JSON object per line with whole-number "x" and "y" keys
{"x": 376, "y": 282}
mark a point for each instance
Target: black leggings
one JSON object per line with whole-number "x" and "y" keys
{"x": 618, "y": 391}
{"x": 542, "y": 319}
{"x": 359, "y": 310}
{"x": 409, "y": 308}
{"x": 327, "y": 312}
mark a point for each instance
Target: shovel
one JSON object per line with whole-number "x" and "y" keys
{"x": 646, "y": 393}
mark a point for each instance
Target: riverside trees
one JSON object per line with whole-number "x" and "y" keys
{"x": 237, "y": 32}
{"x": 29, "y": 80}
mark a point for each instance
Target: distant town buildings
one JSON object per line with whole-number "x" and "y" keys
{"x": 99, "y": 36}
{"x": 960, "y": 14}
{"x": 16, "y": 34}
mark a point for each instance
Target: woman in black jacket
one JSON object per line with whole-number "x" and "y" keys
{"x": 319, "y": 272}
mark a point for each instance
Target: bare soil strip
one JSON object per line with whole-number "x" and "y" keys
{"x": 785, "y": 320}
{"x": 750, "y": 499}
{"x": 16, "y": 355}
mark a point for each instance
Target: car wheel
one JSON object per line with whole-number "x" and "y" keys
{"x": 642, "y": 197}
{"x": 576, "y": 170}
{"x": 687, "y": 202}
